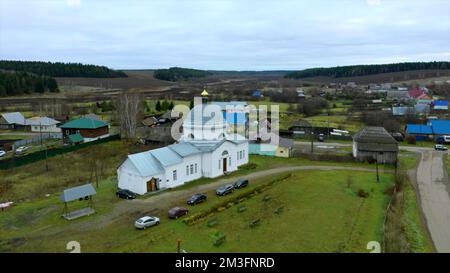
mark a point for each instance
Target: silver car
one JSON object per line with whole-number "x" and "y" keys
{"x": 146, "y": 221}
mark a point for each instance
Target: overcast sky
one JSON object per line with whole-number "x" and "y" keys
{"x": 225, "y": 34}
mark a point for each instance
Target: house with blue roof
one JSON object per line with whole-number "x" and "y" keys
{"x": 440, "y": 105}
{"x": 205, "y": 149}
{"x": 257, "y": 94}
{"x": 432, "y": 130}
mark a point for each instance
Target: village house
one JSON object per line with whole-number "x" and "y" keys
{"x": 14, "y": 120}
{"x": 84, "y": 130}
{"x": 205, "y": 149}
{"x": 440, "y": 105}
{"x": 430, "y": 131}
{"x": 375, "y": 144}
{"x": 43, "y": 124}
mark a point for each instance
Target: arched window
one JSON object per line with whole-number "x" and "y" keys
{"x": 224, "y": 153}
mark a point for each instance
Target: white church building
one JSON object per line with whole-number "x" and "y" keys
{"x": 205, "y": 149}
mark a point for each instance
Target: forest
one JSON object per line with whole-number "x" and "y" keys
{"x": 62, "y": 69}
{"x": 178, "y": 73}
{"x": 363, "y": 70}
{"x": 19, "y": 83}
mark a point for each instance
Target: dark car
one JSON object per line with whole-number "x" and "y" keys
{"x": 126, "y": 194}
{"x": 225, "y": 189}
{"x": 240, "y": 184}
{"x": 196, "y": 198}
{"x": 321, "y": 138}
{"x": 176, "y": 212}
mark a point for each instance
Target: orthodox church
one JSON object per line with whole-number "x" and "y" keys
{"x": 205, "y": 149}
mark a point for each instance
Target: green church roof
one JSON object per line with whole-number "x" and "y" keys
{"x": 84, "y": 123}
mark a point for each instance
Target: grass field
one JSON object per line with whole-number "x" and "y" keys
{"x": 321, "y": 213}
{"x": 33, "y": 181}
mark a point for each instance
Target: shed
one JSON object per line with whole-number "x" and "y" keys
{"x": 83, "y": 192}
{"x": 375, "y": 143}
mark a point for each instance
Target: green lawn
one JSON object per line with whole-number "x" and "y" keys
{"x": 321, "y": 213}
{"x": 70, "y": 169}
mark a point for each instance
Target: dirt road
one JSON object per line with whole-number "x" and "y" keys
{"x": 434, "y": 189}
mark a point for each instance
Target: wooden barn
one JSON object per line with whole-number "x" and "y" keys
{"x": 375, "y": 144}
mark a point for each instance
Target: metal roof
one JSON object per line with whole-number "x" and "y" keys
{"x": 166, "y": 156}
{"x": 42, "y": 121}
{"x": 375, "y": 139}
{"x": 146, "y": 163}
{"x": 14, "y": 118}
{"x": 419, "y": 129}
{"x": 184, "y": 149}
{"x": 85, "y": 123}
{"x": 441, "y": 127}
{"x": 75, "y": 138}
{"x": 77, "y": 192}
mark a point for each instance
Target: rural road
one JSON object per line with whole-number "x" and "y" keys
{"x": 434, "y": 192}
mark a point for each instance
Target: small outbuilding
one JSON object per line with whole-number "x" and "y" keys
{"x": 81, "y": 193}
{"x": 375, "y": 144}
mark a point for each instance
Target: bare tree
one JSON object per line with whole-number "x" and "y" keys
{"x": 129, "y": 108}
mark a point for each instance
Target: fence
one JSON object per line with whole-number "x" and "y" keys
{"x": 325, "y": 157}
{"x": 37, "y": 139}
{"x": 41, "y": 155}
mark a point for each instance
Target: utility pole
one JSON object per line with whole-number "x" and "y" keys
{"x": 312, "y": 140}
{"x": 376, "y": 162}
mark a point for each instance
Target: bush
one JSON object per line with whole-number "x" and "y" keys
{"x": 249, "y": 166}
{"x": 411, "y": 139}
{"x": 362, "y": 193}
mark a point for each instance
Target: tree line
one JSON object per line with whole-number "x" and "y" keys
{"x": 59, "y": 69}
{"x": 19, "y": 83}
{"x": 363, "y": 70}
{"x": 178, "y": 73}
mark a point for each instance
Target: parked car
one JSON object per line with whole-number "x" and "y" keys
{"x": 176, "y": 212}
{"x": 440, "y": 147}
{"x": 321, "y": 138}
{"x": 240, "y": 184}
{"x": 126, "y": 194}
{"x": 443, "y": 139}
{"x": 196, "y": 198}
{"x": 225, "y": 189}
{"x": 22, "y": 149}
{"x": 2, "y": 153}
{"x": 146, "y": 221}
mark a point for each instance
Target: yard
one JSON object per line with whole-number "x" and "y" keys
{"x": 320, "y": 212}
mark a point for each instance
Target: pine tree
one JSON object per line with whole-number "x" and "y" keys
{"x": 158, "y": 106}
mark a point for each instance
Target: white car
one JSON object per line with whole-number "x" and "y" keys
{"x": 2, "y": 153}
{"x": 146, "y": 221}
{"x": 440, "y": 147}
{"x": 21, "y": 149}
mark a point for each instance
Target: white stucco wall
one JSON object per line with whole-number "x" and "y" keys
{"x": 130, "y": 179}
{"x": 182, "y": 177}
